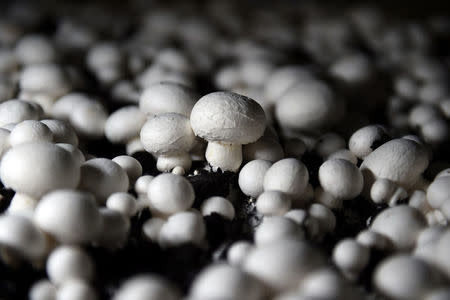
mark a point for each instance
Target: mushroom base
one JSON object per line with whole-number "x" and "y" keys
{"x": 166, "y": 163}
{"x": 227, "y": 157}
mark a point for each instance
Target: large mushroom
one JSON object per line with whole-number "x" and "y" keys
{"x": 227, "y": 121}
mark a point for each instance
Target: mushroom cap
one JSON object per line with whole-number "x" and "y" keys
{"x": 222, "y": 281}
{"x": 75, "y": 290}
{"x": 401, "y": 161}
{"x": 182, "y": 228}
{"x": 404, "y": 277}
{"x": 44, "y": 78}
{"x": 306, "y": 106}
{"x": 124, "y": 124}
{"x": 36, "y": 168}
{"x": 16, "y": 111}
{"x": 276, "y": 228}
{"x": 64, "y": 106}
{"x": 341, "y": 178}
{"x": 288, "y": 175}
{"x": 251, "y": 177}
{"x": 20, "y": 234}
{"x": 103, "y": 177}
{"x": 62, "y": 131}
{"x": 366, "y": 139}
{"x": 30, "y": 131}
{"x": 70, "y": 216}
{"x": 228, "y": 117}
{"x": 401, "y": 224}
{"x": 69, "y": 262}
{"x": 167, "y": 134}
{"x": 167, "y": 97}
{"x": 439, "y": 191}
{"x": 146, "y": 287}
{"x": 218, "y": 205}
{"x": 169, "y": 193}
{"x": 283, "y": 264}
{"x": 35, "y": 49}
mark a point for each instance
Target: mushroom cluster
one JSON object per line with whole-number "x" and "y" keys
{"x": 218, "y": 150}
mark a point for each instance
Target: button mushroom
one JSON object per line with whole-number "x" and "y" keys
{"x": 227, "y": 121}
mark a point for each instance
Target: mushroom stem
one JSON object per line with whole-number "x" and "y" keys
{"x": 227, "y": 157}
{"x": 168, "y": 162}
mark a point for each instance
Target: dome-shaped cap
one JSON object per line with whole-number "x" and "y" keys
{"x": 228, "y": 117}
{"x": 167, "y": 134}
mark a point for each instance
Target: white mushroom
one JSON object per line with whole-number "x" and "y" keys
{"x": 30, "y": 131}
{"x": 169, "y": 193}
{"x": 401, "y": 161}
{"x": 227, "y": 121}
{"x": 238, "y": 252}
{"x": 264, "y": 148}
{"x": 130, "y": 165}
{"x": 222, "y": 281}
{"x": 123, "y": 203}
{"x": 306, "y": 106}
{"x": 276, "y": 228}
{"x": 35, "y": 49}
{"x": 124, "y": 124}
{"x": 88, "y": 119}
{"x": 36, "y": 168}
{"x": 42, "y": 290}
{"x": 181, "y": 228}
{"x": 365, "y": 140}
{"x": 64, "y": 106}
{"x": 341, "y": 178}
{"x": 22, "y": 204}
{"x": 151, "y": 229}
{"x": 103, "y": 177}
{"x": 69, "y": 262}
{"x": 326, "y": 283}
{"x": 170, "y": 137}
{"x": 69, "y": 216}
{"x": 218, "y": 205}
{"x": 146, "y": 287}
{"x": 76, "y": 290}
{"x": 404, "y": 277}
{"x": 283, "y": 264}
{"x": 16, "y": 111}
{"x": 21, "y": 238}
{"x": 251, "y": 177}
{"x": 401, "y": 224}
{"x": 273, "y": 203}
{"x": 438, "y": 192}
{"x": 350, "y": 257}
{"x": 167, "y": 97}
{"x": 142, "y": 183}
{"x": 61, "y": 131}
{"x": 289, "y": 176}
{"x": 326, "y": 218}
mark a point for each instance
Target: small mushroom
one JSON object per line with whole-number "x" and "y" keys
{"x": 351, "y": 257}
{"x": 218, "y": 205}
{"x": 289, "y": 176}
{"x": 20, "y": 238}
{"x": 182, "y": 228}
{"x": 167, "y": 97}
{"x": 61, "y": 131}
{"x": 69, "y": 216}
{"x": 283, "y": 264}
{"x": 69, "y": 262}
{"x": 42, "y": 290}
{"x": 237, "y": 252}
{"x": 170, "y": 137}
{"x": 103, "y": 177}
{"x": 401, "y": 224}
{"x": 365, "y": 140}
{"x": 124, "y": 124}
{"x": 16, "y": 111}
{"x": 222, "y": 281}
{"x": 277, "y": 228}
{"x": 273, "y": 203}
{"x": 341, "y": 178}
{"x": 30, "y": 131}
{"x": 251, "y": 177}
{"x": 123, "y": 203}
{"x": 146, "y": 287}
{"x": 169, "y": 193}
{"x": 227, "y": 121}
{"x": 131, "y": 166}
{"x": 404, "y": 277}
{"x": 76, "y": 290}
{"x": 36, "y": 168}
